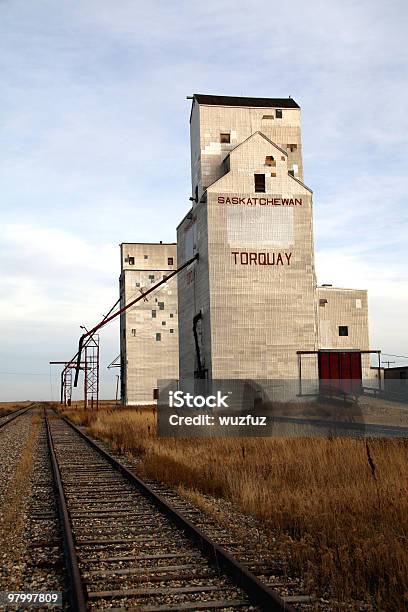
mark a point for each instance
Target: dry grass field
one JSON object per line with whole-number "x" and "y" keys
{"x": 337, "y": 509}
{"x": 8, "y": 407}
{"x": 12, "y": 514}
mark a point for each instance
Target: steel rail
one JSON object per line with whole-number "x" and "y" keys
{"x": 19, "y": 412}
{"x": 77, "y": 592}
{"x": 260, "y": 594}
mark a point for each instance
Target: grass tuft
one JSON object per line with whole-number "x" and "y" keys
{"x": 337, "y": 509}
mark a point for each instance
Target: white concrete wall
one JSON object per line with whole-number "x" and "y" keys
{"x": 209, "y": 121}
{"x": 146, "y": 359}
{"x": 255, "y": 316}
{"x": 347, "y": 307}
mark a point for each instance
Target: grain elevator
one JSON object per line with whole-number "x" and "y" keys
{"x": 251, "y": 303}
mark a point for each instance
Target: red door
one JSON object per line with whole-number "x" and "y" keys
{"x": 341, "y": 371}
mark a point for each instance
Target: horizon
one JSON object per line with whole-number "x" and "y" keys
{"x": 96, "y": 148}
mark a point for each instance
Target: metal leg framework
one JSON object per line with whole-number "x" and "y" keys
{"x": 90, "y": 366}
{"x": 89, "y": 345}
{"x": 91, "y": 378}
{"x": 67, "y": 386}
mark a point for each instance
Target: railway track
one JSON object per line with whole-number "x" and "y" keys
{"x": 15, "y": 414}
{"x": 126, "y": 548}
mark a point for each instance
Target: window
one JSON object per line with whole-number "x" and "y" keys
{"x": 161, "y": 305}
{"x": 133, "y": 332}
{"x": 279, "y": 113}
{"x": 268, "y": 117}
{"x": 137, "y": 284}
{"x": 153, "y": 314}
{"x": 171, "y": 331}
{"x": 322, "y": 302}
{"x": 259, "y": 183}
{"x": 269, "y": 161}
{"x": 171, "y": 315}
{"x": 343, "y": 330}
{"x": 151, "y": 276}
{"x": 163, "y": 322}
{"x": 155, "y": 394}
{"x": 146, "y": 257}
{"x": 292, "y": 173}
{"x": 225, "y": 138}
{"x": 158, "y": 337}
{"x": 131, "y": 261}
{"x": 291, "y": 147}
{"x": 170, "y": 261}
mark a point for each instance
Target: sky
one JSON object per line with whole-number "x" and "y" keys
{"x": 94, "y": 133}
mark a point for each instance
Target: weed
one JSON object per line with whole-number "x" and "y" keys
{"x": 338, "y": 509}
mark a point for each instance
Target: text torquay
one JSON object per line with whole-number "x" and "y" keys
{"x": 246, "y": 258}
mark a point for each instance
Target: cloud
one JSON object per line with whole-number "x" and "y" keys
{"x": 54, "y": 282}
{"x": 350, "y": 270}
{"x": 54, "y": 276}
{"x": 368, "y": 212}
{"x": 95, "y": 143}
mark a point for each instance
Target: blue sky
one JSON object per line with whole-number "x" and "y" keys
{"x": 95, "y": 151}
